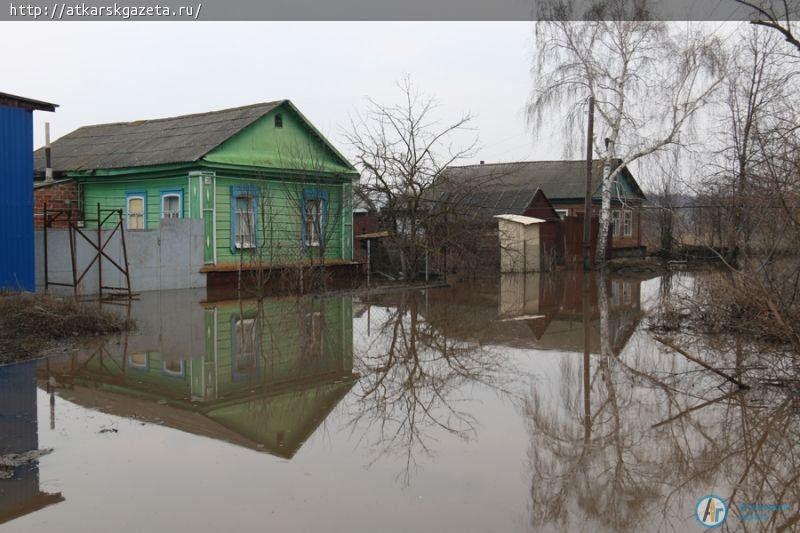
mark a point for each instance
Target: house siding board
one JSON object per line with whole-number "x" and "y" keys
{"x": 291, "y": 147}
{"x": 279, "y": 223}
{"x": 16, "y": 202}
{"x": 113, "y": 194}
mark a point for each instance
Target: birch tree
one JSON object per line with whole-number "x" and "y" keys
{"x": 647, "y": 82}
{"x": 780, "y": 16}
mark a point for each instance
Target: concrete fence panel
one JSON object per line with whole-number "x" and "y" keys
{"x": 169, "y": 257}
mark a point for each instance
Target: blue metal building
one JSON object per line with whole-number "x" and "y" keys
{"x": 16, "y": 201}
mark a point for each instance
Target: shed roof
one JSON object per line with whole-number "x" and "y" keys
{"x": 181, "y": 139}
{"x": 30, "y": 104}
{"x": 520, "y": 219}
{"x": 559, "y": 180}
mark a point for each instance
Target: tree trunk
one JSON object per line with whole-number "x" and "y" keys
{"x": 605, "y": 211}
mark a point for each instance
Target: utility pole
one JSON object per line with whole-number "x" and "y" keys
{"x": 587, "y": 201}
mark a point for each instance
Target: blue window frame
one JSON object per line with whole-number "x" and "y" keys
{"x": 136, "y": 210}
{"x": 172, "y": 203}
{"x": 313, "y": 213}
{"x": 244, "y": 217}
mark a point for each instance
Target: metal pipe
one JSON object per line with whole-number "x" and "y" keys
{"x": 100, "y": 258}
{"x": 48, "y": 170}
{"x": 44, "y": 239}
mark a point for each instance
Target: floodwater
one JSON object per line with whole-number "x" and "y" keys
{"x": 528, "y": 404}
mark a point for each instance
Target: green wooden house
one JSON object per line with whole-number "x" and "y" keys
{"x": 269, "y": 188}
{"x": 262, "y": 376}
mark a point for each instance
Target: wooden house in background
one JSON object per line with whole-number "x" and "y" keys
{"x": 473, "y": 209}
{"x": 269, "y": 188}
{"x": 564, "y": 183}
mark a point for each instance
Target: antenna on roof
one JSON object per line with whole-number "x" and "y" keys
{"x": 48, "y": 170}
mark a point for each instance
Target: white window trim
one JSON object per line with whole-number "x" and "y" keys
{"x": 616, "y": 222}
{"x": 172, "y": 372}
{"x": 241, "y": 328}
{"x": 316, "y": 223}
{"x": 177, "y": 195}
{"x": 239, "y": 244}
{"x": 128, "y": 211}
{"x": 627, "y": 216}
{"x": 562, "y": 213}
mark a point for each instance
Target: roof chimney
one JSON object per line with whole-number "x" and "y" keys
{"x": 48, "y": 171}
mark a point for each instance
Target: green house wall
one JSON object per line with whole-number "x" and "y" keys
{"x": 112, "y": 194}
{"x": 281, "y": 163}
{"x": 279, "y": 221}
{"x": 294, "y": 146}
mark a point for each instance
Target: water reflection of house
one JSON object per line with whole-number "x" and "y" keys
{"x": 263, "y": 377}
{"x": 559, "y": 300}
{"x": 19, "y": 433}
{"x": 538, "y": 310}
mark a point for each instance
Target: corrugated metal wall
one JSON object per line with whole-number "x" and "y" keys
{"x": 16, "y": 199}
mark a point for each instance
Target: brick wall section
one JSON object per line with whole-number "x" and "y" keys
{"x": 57, "y": 195}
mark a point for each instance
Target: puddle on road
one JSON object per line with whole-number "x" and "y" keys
{"x": 513, "y": 406}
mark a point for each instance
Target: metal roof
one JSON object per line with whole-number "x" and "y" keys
{"x": 30, "y": 104}
{"x": 160, "y": 141}
{"x": 520, "y": 219}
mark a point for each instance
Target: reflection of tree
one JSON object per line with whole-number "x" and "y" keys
{"x": 653, "y": 431}
{"x": 414, "y": 379}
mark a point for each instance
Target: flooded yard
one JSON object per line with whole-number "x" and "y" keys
{"x": 526, "y": 404}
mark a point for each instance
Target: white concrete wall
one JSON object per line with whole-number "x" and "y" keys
{"x": 169, "y": 257}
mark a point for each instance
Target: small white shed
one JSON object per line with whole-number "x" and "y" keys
{"x": 520, "y": 243}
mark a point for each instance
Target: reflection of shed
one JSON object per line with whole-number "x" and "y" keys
{"x": 520, "y": 243}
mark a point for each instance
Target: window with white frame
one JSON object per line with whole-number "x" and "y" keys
{"x": 171, "y": 205}
{"x": 245, "y": 220}
{"x": 135, "y": 211}
{"x": 173, "y": 367}
{"x": 627, "y": 223}
{"x": 562, "y": 213}
{"x": 245, "y": 351}
{"x": 615, "y": 222}
{"x": 313, "y": 221}
{"x": 313, "y": 334}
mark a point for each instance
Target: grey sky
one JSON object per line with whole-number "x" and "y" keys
{"x": 109, "y": 72}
